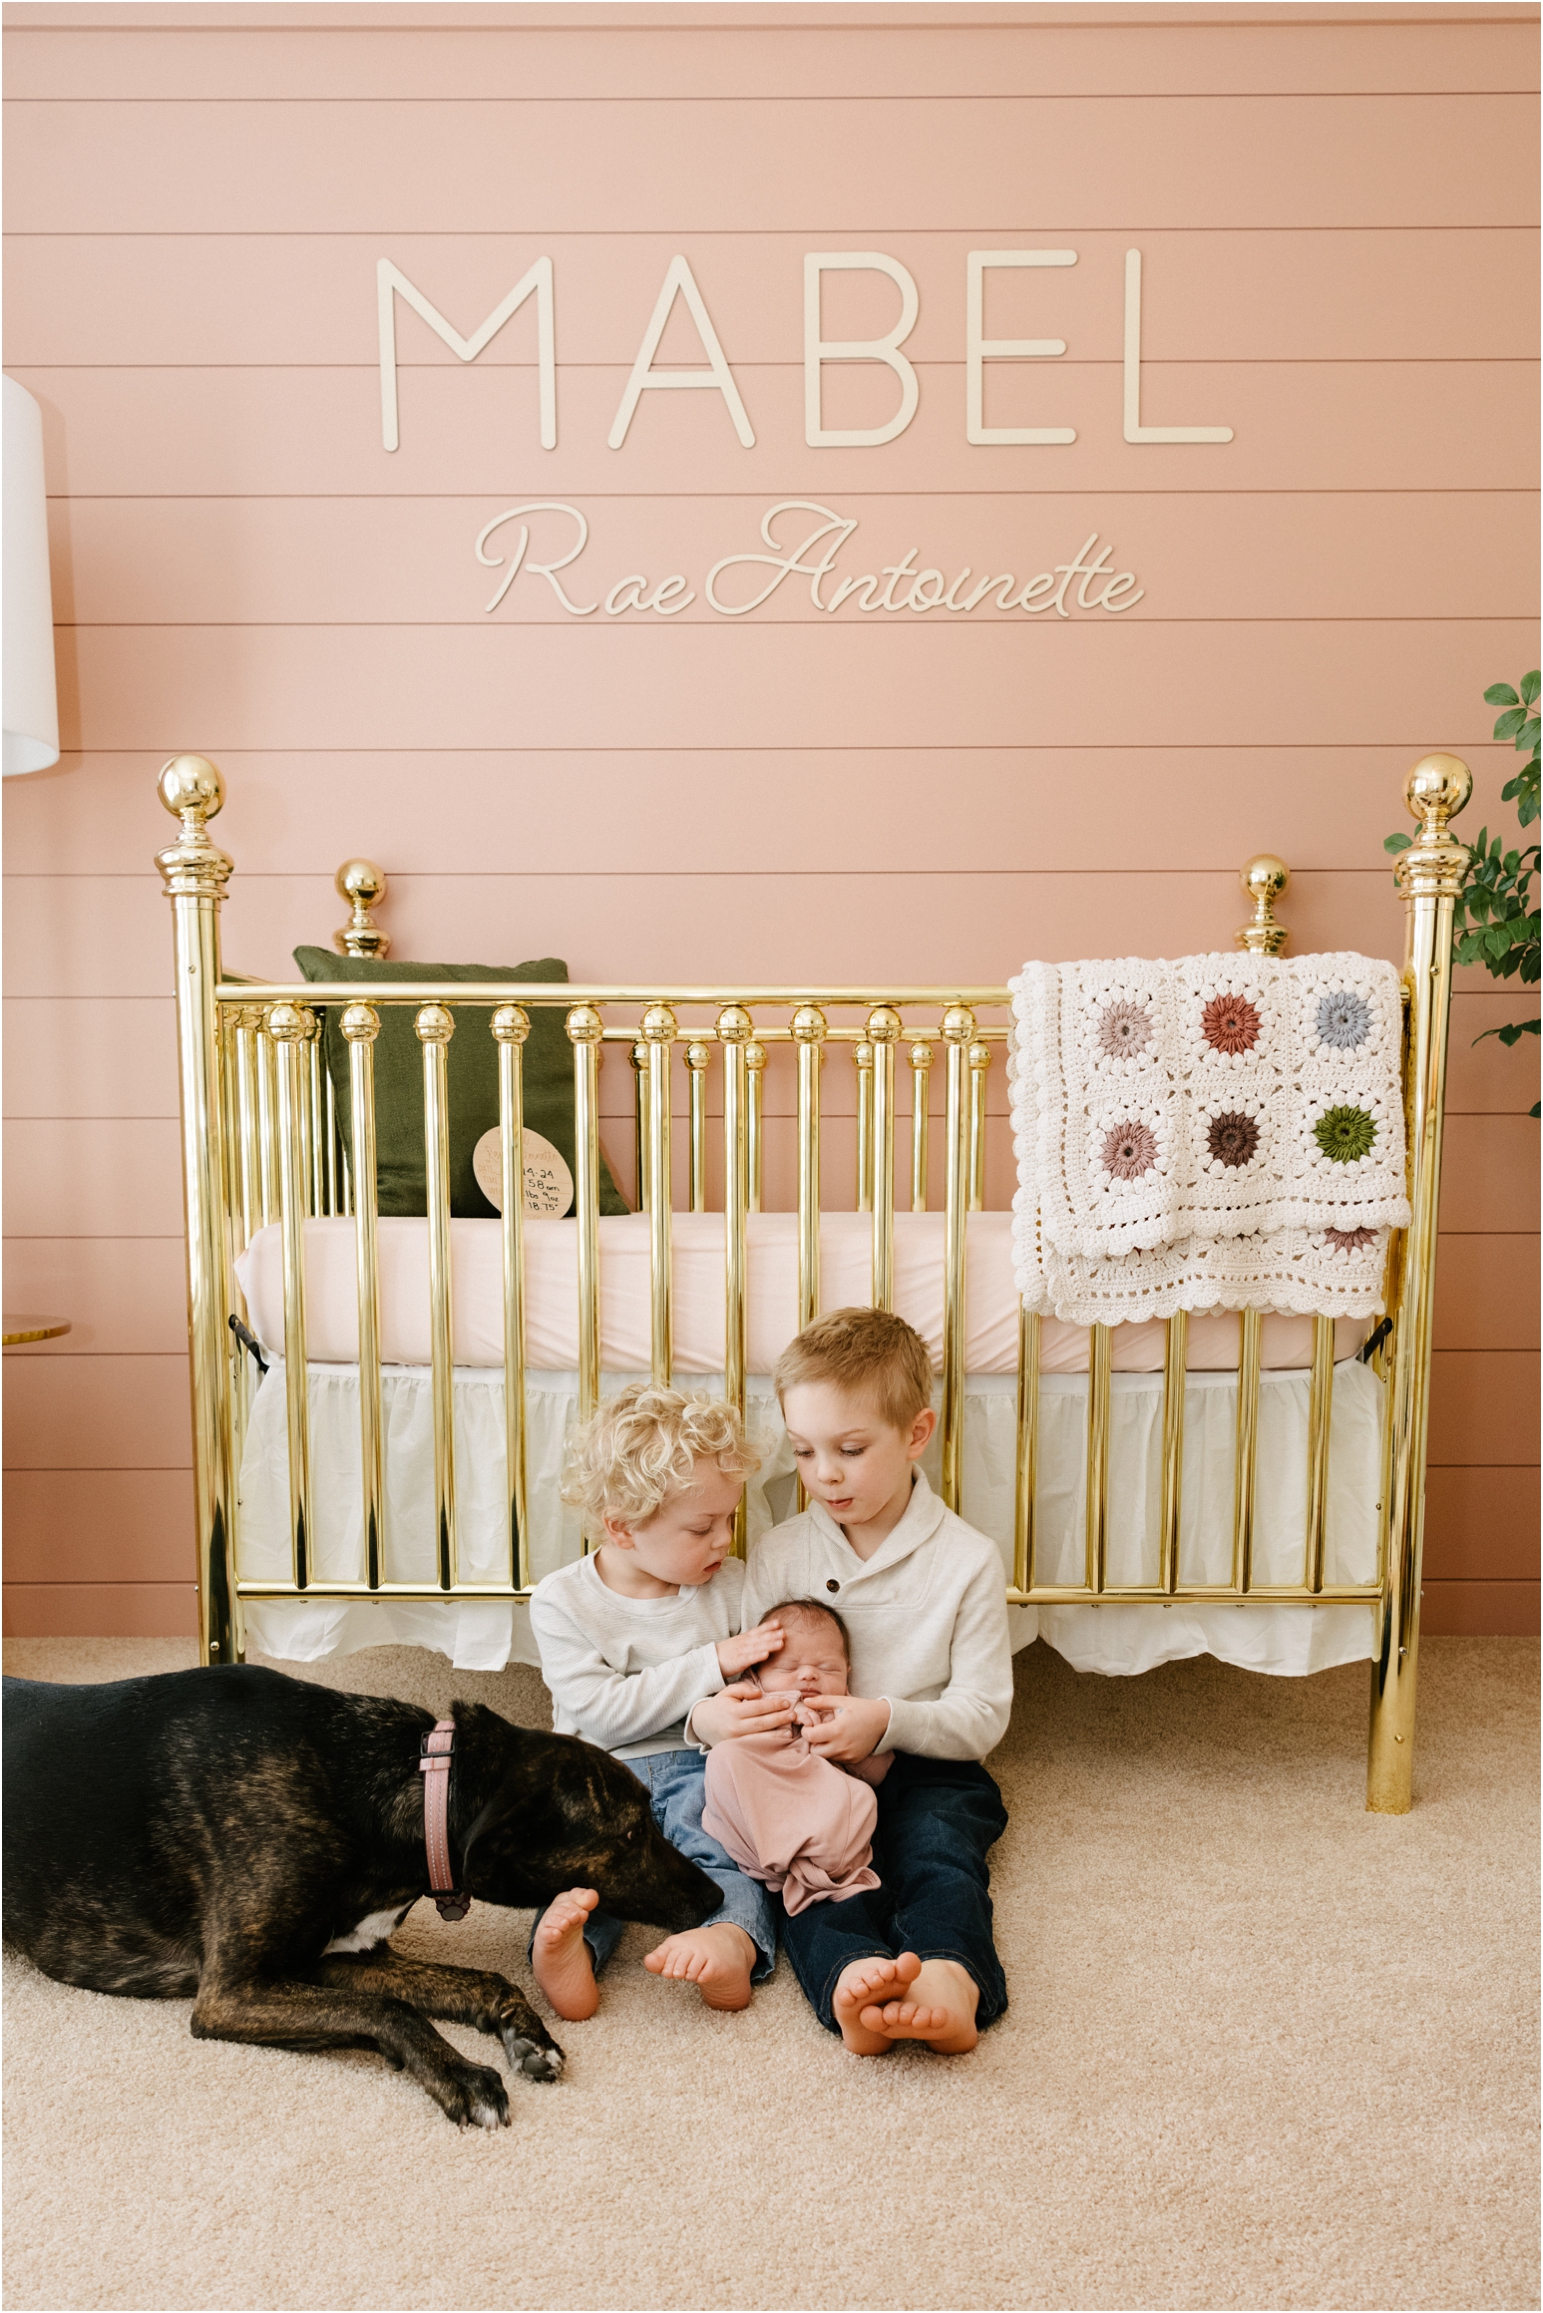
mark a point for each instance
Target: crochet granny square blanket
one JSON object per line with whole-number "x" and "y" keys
{"x": 1220, "y": 1132}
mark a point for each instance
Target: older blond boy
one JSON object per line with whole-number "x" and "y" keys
{"x": 922, "y": 1595}
{"x": 631, "y": 1637}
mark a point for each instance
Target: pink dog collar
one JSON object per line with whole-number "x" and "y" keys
{"x": 434, "y": 1767}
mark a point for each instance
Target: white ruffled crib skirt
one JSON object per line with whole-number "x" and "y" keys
{"x": 1118, "y": 1640}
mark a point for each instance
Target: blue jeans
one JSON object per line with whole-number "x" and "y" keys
{"x": 676, "y": 1783}
{"x": 938, "y": 1819}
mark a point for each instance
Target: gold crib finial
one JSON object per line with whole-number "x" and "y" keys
{"x": 191, "y": 789}
{"x": 1436, "y": 790}
{"x": 363, "y": 885}
{"x": 1263, "y": 880}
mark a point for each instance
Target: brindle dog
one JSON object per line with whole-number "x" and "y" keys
{"x": 254, "y": 1841}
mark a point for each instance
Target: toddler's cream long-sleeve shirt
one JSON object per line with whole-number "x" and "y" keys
{"x": 623, "y": 1672}
{"x": 927, "y": 1613}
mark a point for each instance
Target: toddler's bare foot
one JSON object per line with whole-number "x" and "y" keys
{"x": 938, "y": 2007}
{"x": 718, "y": 1960}
{"x": 860, "y": 1989}
{"x": 559, "y": 1957}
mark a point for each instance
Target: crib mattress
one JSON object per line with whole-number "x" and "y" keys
{"x": 846, "y": 1252}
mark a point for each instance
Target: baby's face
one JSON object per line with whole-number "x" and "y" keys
{"x": 811, "y": 1661}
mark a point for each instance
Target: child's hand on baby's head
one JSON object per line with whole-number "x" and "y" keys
{"x": 751, "y": 1646}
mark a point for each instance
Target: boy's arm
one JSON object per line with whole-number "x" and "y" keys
{"x": 969, "y": 1718}
{"x": 612, "y": 1706}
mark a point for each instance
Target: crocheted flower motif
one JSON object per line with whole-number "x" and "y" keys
{"x": 1232, "y": 1139}
{"x": 1230, "y": 1024}
{"x": 1344, "y": 1019}
{"x": 1129, "y": 1150}
{"x": 1123, "y": 1030}
{"x": 1349, "y": 1240}
{"x": 1345, "y": 1135}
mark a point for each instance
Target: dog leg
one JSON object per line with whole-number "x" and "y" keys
{"x": 457, "y": 1996}
{"x": 291, "y": 2015}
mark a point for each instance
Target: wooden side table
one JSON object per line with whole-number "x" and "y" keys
{"x": 19, "y": 1329}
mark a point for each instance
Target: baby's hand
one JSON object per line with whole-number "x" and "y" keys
{"x": 752, "y": 1646}
{"x": 739, "y": 1711}
{"x": 850, "y": 1726}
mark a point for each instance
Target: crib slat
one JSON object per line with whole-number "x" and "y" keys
{"x": 659, "y": 1036}
{"x": 809, "y": 1035}
{"x": 698, "y": 1055}
{"x": 313, "y": 1122}
{"x": 958, "y": 1031}
{"x": 334, "y": 1202}
{"x": 287, "y": 1026}
{"x": 640, "y": 1122}
{"x": 1027, "y": 1467}
{"x": 862, "y": 1061}
{"x": 755, "y": 1092}
{"x": 361, "y": 1026}
{"x": 249, "y": 1142}
{"x": 436, "y": 1025}
{"x": 921, "y": 1093}
{"x": 1097, "y": 1527}
{"x": 1320, "y": 1408}
{"x": 268, "y": 1121}
{"x": 511, "y": 1026}
{"x": 980, "y": 1063}
{"x": 585, "y": 1030}
{"x": 735, "y": 1029}
{"x": 884, "y": 1034}
{"x": 1245, "y": 1467}
{"x": 1175, "y": 1382}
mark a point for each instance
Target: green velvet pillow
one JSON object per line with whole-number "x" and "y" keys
{"x": 473, "y": 1079}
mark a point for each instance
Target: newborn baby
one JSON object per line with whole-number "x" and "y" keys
{"x": 800, "y": 1823}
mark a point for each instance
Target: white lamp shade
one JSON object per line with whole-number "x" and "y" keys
{"x": 31, "y": 696}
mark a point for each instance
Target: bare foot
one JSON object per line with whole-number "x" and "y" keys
{"x": 859, "y": 1989}
{"x": 939, "y": 2007}
{"x": 559, "y": 1957}
{"x": 718, "y": 1960}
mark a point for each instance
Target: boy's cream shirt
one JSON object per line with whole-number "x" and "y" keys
{"x": 927, "y": 1614}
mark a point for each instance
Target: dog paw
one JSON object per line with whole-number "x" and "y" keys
{"x": 475, "y": 2097}
{"x": 535, "y": 2062}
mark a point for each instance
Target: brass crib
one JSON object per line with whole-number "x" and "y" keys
{"x": 260, "y": 1141}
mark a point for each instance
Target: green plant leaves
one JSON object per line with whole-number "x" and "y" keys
{"x": 1501, "y": 695}
{"x": 1530, "y": 686}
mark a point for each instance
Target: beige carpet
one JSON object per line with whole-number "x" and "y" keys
{"x": 1264, "y": 2050}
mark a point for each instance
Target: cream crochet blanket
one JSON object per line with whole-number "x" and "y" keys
{"x": 1221, "y": 1132}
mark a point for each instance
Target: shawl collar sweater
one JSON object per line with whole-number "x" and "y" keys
{"x": 927, "y": 1614}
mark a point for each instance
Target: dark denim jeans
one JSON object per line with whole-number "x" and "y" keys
{"x": 938, "y": 1819}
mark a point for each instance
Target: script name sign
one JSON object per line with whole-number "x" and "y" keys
{"x": 805, "y": 541}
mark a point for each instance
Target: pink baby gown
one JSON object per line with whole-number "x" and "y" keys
{"x": 790, "y": 1818}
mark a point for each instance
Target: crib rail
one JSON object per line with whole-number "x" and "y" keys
{"x": 261, "y": 1143}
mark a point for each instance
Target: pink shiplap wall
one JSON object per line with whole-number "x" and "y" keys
{"x": 1335, "y": 208}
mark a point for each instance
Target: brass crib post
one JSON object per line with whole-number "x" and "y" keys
{"x": 659, "y": 1036}
{"x": 511, "y": 1026}
{"x": 697, "y": 1057}
{"x": 884, "y": 1035}
{"x": 195, "y": 872}
{"x": 1430, "y": 876}
{"x": 361, "y": 1025}
{"x": 363, "y": 885}
{"x": 585, "y": 1029}
{"x": 958, "y": 1034}
{"x": 920, "y": 1057}
{"x": 435, "y": 1025}
{"x": 862, "y": 1061}
{"x": 289, "y": 1025}
{"x": 980, "y": 1062}
{"x": 314, "y": 1117}
{"x": 755, "y": 1095}
{"x": 735, "y": 1029}
{"x": 809, "y": 1036}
